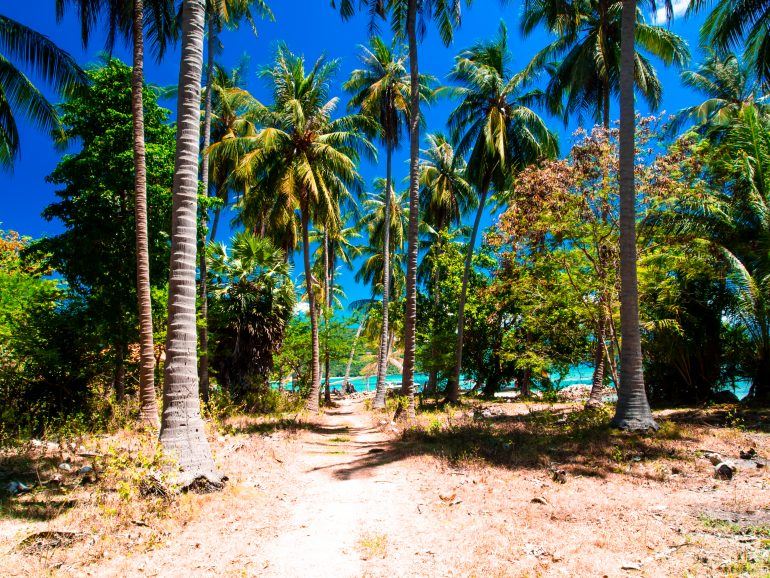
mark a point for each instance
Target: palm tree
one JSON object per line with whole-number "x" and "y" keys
{"x": 182, "y": 431}
{"x": 733, "y": 22}
{"x": 334, "y": 244}
{"x": 18, "y": 95}
{"x": 585, "y": 74}
{"x": 306, "y": 158}
{"x": 219, "y": 13}
{"x": 404, "y": 15}
{"x": 632, "y": 411}
{"x": 501, "y": 134}
{"x": 127, "y": 18}
{"x": 445, "y": 196}
{"x": 728, "y": 85}
{"x": 380, "y": 90}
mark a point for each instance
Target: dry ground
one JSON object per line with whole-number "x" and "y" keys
{"x": 457, "y": 494}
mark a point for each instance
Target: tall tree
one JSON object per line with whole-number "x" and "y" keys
{"x": 445, "y": 196}
{"x": 219, "y": 13}
{"x": 55, "y": 67}
{"x": 182, "y": 430}
{"x": 495, "y": 126}
{"x": 404, "y": 15}
{"x": 380, "y": 90}
{"x": 127, "y": 18}
{"x": 633, "y": 409}
{"x": 305, "y": 157}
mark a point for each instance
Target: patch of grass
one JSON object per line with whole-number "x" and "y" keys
{"x": 373, "y": 546}
{"x": 750, "y": 564}
{"x": 340, "y": 439}
{"x": 730, "y": 527}
{"x": 669, "y": 430}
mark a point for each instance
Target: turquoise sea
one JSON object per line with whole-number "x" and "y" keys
{"x": 578, "y": 375}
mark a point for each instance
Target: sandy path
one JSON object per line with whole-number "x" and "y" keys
{"x": 335, "y": 501}
{"x": 352, "y": 504}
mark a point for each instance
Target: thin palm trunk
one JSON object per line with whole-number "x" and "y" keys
{"x": 148, "y": 412}
{"x": 346, "y": 381}
{"x": 182, "y": 432}
{"x": 382, "y": 356}
{"x": 597, "y": 384}
{"x": 327, "y": 312}
{"x": 633, "y": 410}
{"x": 315, "y": 384}
{"x": 432, "y": 385}
{"x": 410, "y": 318}
{"x": 203, "y": 369}
{"x": 453, "y": 389}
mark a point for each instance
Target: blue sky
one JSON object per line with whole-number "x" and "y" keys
{"x": 309, "y": 27}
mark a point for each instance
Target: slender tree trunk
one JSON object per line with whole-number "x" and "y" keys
{"x": 327, "y": 312}
{"x": 597, "y": 385}
{"x": 453, "y": 389}
{"x": 432, "y": 385}
{"x": 215, "y": 225}
{"x": 148, "y": 402}
{"x": 382, "y": 355}
{"x": 346, "y": 381}
{"x": 203, "y": 368}
{"x": 315, "y": 379}
{"x": 410, "y": 319}
{"x": 633, "y": 410}
{"x": 182, "y": 432}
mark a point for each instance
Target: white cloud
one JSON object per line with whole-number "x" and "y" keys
{"x": 680, "y": 7}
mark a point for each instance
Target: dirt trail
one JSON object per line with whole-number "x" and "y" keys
{"x": 339, "y": 509}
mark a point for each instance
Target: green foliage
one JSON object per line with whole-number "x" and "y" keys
{"x": 252, "y": 301}
{"x": 95, "y": 253}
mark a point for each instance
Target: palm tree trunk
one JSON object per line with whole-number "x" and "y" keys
{"x": 432, "y": 385}
{"x": 410, "y": 318}
{"x": 346, "y": 380}
{"x": 597, "y": 384}
{"x": 453, "y": 388}
{"x": 203, "y": 368}
{"x": 633, "y": 410}
{"x": 328, "y": 307}
{"x": 182, "y": 430}
{"x": 148, "y": 402}
{"x": 315, "y": 383}
{"x": 382, "y": 355}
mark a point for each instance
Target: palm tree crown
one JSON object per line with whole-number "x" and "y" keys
{"x": 22, "y": 46}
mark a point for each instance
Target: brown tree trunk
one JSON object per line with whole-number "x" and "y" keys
{"x": 597, "y": 384}
{"x": 633, "y": 410}
{"x": 410, "y": 319}
{"x": 315, "y": 383}
{"x": 182, "y": 432}
{"x": 453, "y": 388}
{"x": 382, "y": 356}
{"x": 203, "y": 367}
{"x": 148, "y": 402}
{"x": 328, "y": 306}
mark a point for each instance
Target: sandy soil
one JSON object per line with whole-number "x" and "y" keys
{"x": 343, "y": 496}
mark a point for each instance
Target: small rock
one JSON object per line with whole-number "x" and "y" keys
{"x": 65, "y": 466}
{"x": 714, "y": 458}
{"x": 559, "y": 476}
{"x": 85, "y": 470}
{"x": 631, "y": 566}
{"x": 539, "y": 500}
{"x": 748, "y": 454}
{"x": 724, "y": 471}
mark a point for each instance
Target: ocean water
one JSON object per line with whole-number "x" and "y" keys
{"x": 579, "y": 375}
